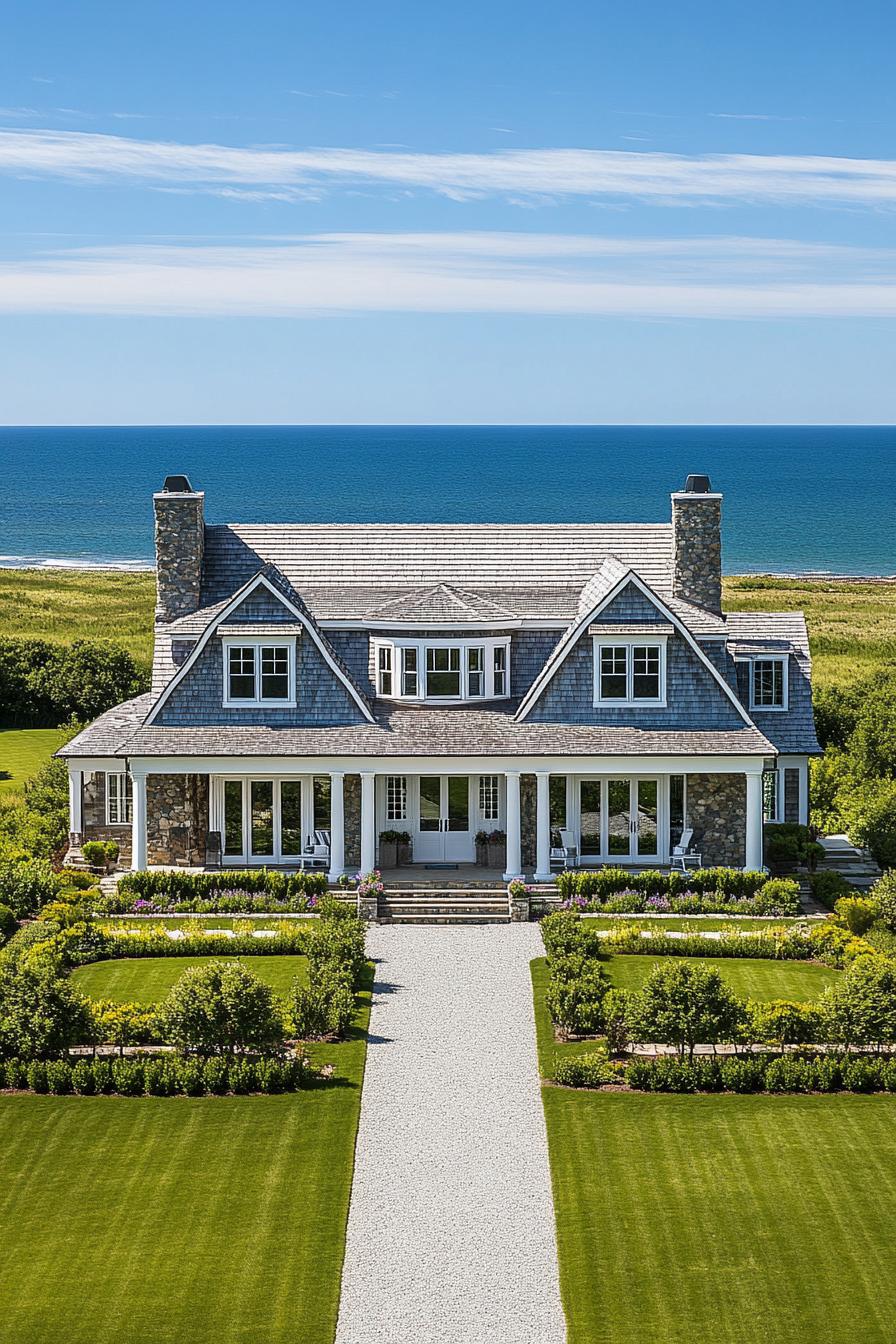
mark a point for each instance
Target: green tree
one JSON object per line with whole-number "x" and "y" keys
{"x": 868, "y": 808}
{"x": 40, "y": 1013}
{"x": 220, "y": 1008}
{"x": 684, "y": 1006}
{"x": 782, "y": 1023}
{"x": 860, "y": 1007}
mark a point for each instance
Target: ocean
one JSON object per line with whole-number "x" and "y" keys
{"x": 796, "y": 499}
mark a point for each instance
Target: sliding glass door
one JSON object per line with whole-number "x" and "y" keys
{"x": 619, "y": 820}
{"x": 268, "y": 820}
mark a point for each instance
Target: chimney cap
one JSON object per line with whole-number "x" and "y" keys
{"x": 698, "y": 485}
{"x": 177, "y": 485}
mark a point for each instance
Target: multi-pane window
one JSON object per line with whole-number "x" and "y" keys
{"x": 443, "y": 672}
{"x": 242, "y": 672}
{"x": 409, "y": 672}
{"x": 259, "y": 673}
{"x": 384, "y": 667}
{"x": 768, "y": 683}
{"x": 475, "y": 672}
{"x": 629, "y": 673}
{"x": 475, "y": 669}
{"x": 396, "y": 798}
{"x": 488, "y": 797}
{"x": 770, "y": 791}
{"x": 614, "y": 672}
{"x": 274, "y": 673}
{"x": 118, "y": 800}
{"x": 500, "y": 669}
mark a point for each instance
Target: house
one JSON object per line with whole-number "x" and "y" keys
{"x": 445, "y": 679}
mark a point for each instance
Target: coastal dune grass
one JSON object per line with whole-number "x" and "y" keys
{"x": 724, "y": 1219}
{"x": 148, "y": 979}
{"x": 218, "y": 1220}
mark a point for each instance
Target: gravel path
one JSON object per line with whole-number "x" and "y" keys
{"x": 451, "y": 1227}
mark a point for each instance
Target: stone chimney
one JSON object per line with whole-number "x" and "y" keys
{"x": 180, "y": 542}
{"x": 697, "y": 544}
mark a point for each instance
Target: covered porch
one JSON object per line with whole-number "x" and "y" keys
{"x": 626, "y": 811}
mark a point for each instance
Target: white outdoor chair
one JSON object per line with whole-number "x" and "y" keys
{"x": 566, "y": 854}
{"x": 683, "y": 854}
{"x": 317, "y": 851}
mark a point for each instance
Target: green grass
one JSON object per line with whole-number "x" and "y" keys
{"x": 724, "y": 1219}
{"x": 750, "y": 977}
{"x": 219, "y": 1220}
{"x": 148, "y": 979}
{"x": 852, "y": 626}
{"x": 63, "y": 605}
{"x": 22, "y": 752}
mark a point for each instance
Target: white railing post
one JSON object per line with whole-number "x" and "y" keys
{"x": 337, "y": 825}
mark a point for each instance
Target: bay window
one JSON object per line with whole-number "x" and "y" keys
{"x": 442, "y": 670}
{"x": 630, "y": 672}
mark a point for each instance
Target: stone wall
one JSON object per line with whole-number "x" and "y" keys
{"x": 176, "y": 819}
{"x": 352, "y": 804}
{"x": 697, "y": 549}
{"x": 717, "y": 811}
{"x": 180, "y": 544}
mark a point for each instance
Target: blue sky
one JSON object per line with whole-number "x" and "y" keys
{"x": 575, "y": 213}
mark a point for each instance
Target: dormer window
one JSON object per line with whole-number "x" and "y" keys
{"x": 629, "y": 672}
{"x": 443, "y": 670}
{"x": 768, "y": 683}
{"x": 259, "y": 672}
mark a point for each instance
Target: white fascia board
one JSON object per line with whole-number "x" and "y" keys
{"x": 734, "y": 764}
{"x": 97, "y": 764}
{"x": 459, "y": 628}
{"x": 259, "y": 581}
{"x": 543, "y": 680}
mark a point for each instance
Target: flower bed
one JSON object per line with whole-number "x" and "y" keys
{"x": 705, "y": 891}
{"x": 231, "y": 891}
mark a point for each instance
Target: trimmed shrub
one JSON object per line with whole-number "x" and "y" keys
{"x": 783, "y": 1023}
{"x": 756, "y": 1073}
{"x": 790, "y": 842}
{"x": 591, "y": 1070}
{"x": 576, "y": 1005}
{"x": 685, "y": 1006}
{"x": 220, "y": 1008}
{"x": 860, "y": 1007}
{"x": 8, "y": 923}
{"x": 704, "y": 891}
{"x": 883, "y": 893}
{"x": 229, "y": 892}
{"x": 322, "y": 1009}
{"x": 26, "y": 885}
{"x": 857, "y": 912}
{"x": 828, "y": 887}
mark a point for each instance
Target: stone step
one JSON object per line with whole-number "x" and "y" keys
{"x": 442, "y": 918}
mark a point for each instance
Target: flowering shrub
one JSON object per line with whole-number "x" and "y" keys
{"x": 231, "y": 891}
{"x": 370, "y": 884}
{"x": 707, "y": 892}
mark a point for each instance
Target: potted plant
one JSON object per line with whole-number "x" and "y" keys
{"x": 497, "y": 850}
{"x": 389, "y": 848}
{"x": 404, "y": 848}
{"x": 482, "y": 848}
{"x": 100, "y": 854}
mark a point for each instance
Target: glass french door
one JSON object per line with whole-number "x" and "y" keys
{"x": 619, "y": 820}
{"x": 262, "y": 820}
{"x": 444, "y": 819}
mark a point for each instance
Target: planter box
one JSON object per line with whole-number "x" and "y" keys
{"x": 482, "y": 855}
{"x": 404, "y": 855}
{"x": 497, "y": 856}
{"x": 388, "y": 854}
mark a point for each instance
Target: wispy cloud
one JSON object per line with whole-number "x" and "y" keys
{"x": 753, "y": 116}
{"x": 727, "y": 277}
{"x": 670, "y": 179}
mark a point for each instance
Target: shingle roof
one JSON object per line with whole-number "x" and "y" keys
{"x": 400, "y": 731}
{"x": 778, "y": 632}
{"x": 441, "y": 603}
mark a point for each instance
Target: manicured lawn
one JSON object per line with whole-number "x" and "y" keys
{"x": 724, "y": 1219}
{"x": 751, "y": 977}
{"x": 148, "y": 979}
{"x": 22, "y": 752}
{"x": 217, "y": 1220}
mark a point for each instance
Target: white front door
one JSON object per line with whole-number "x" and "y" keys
{"x": 443, "y": 833}
{"x": 619, "y": 820}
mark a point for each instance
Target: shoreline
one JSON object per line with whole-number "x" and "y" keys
{"x": 28, "y": 564}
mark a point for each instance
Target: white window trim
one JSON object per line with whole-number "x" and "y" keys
{"x": 487, "y": 672}
{"x": 779, "y": 797}
{"x": 770, "y": 658}
{"x": 403, "y": 796}
{"x": 127, "y": 799}
{"x": 258, "y": 642}
{"x": 630, "y": 643}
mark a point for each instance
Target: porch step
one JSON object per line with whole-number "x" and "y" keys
{"x": 444, "y": 907}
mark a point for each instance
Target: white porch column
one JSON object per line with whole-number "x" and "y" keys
{"x": 514, "y": 861}
{"x": 542, "y": 826}
{"x": 368, "y": 822}
{"x": 803, "y": 796}
{"x": 337, "y": 825}
{"x": 754, "y": 822}
{"x": 138, "y": 822}
{"x": 75, "y": 793}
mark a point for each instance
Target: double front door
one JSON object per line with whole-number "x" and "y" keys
{"x": 618, "y": 819}
{"x": 444, "y": 819}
